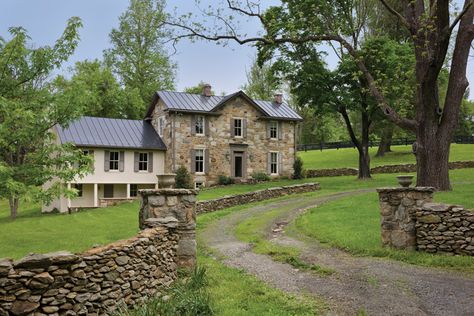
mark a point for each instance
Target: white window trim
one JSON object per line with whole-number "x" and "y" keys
{"x": 203, "y": 125}
{"x": 147, "y": 162}
{"x": 161, "y": 125}
{"x": 276, "y": 130}
{"x": 203, "y": 161}
{"x": 277, "y": 167}
{"x": 118, "y": 161}
{"x": 241, "y": 126}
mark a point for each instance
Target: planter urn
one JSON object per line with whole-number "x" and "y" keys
{"x": 166, "y": 180}
{"x": 405, "y": 180}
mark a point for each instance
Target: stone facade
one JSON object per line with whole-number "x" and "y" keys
{"x": 443, "y": 228}
{"x": 91, "y": 283}
{"x": 172, "y": 207}
{"x": 397, "y": 208}
{"x": 240, "y": 199}
{"x": 220, "y": 145}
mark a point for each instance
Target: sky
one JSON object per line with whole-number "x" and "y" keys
{"x": 223, "y": 67}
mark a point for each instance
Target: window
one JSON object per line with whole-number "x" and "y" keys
{"x": 199, "y": 125}
{"x": 238, "y": 127}
{"x": 78, "y": 187}
{"x": 273, "y": 130}
{"x": 198, "y": 185}
{"x": 274, "y": 163}
{"x": 133, "y": 190}
{"x": 161, "y": 125}
{"x": 114, "y": 160}
{"x": 199, "y": 160}
{"x": 143, "y": 162}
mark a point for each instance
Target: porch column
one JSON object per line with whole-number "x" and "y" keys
{"x": 69, "y": 199}
{"x": 156, "y": 186}
{"x": 96, "y": 195}
{"x": 128, "y": 190}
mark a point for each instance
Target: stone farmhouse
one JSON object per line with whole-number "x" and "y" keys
{"x": 210, "y": 135}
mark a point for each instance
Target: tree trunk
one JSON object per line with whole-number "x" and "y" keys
{"x": 364, "y": 156}
{"x": 13, "y": 206}
{"x": 385, "y": 141}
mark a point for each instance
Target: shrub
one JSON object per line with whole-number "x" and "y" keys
{"x": 183, "y": 178}
{"x": 260, "y": 176}
{"x": 224, "y": 180}
{"x": 298, "y": 172}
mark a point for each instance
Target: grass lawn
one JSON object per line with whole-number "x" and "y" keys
{"x": 348, "y": 157}
{"x": 353, "y": 224}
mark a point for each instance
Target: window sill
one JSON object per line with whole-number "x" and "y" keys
{"x": 114, "y": 170}
{"x": 200, "y": 135}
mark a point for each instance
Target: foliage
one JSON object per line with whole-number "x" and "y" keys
{"x": 298, "y": 172}
{"x": 260, "y": 176}
{"x": 225, "y": 180}
{"x": 29, "y": 153}
{"x": 197, "y": 89}
{"x": 183, "y": 178}
{"x": 137, "y": 56}
{"x": 188, "y": 296}
{"x": 94, "y": 88}
{"x": 261, "y": 83}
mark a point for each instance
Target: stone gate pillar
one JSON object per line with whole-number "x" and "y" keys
{"x": 168, "y": 206}
{"x": 397, "y": 208}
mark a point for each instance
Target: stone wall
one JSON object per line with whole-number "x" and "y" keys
{"x": 445, "y": 228}
{"x": 260, "y": 195}
{"x": 177, "y": 207}
{"x": 402, "y": 168}
{"x": 397, "y": 208}
{"x": 91, "y": 283}
{"x": 220, "y": 144}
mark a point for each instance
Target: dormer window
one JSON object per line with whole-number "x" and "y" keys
{"x": 199, "y": 125}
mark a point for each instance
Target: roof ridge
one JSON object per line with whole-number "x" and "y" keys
{"x": 184, "y": 92}
{"x": 110, "y": 118}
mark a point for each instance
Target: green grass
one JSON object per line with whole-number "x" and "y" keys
{"x": 353, "y": 224}
{"x": 348, "y": 157}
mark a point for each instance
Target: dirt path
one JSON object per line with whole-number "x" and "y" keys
{"x": 376, "y": 286}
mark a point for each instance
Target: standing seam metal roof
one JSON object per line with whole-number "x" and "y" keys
{"x": 182, "y": 101}
{"x": 111, "y": 133}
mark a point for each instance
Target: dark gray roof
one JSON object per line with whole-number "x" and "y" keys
{"x": 181, "y": 101}
{"x": 111, "y": 133}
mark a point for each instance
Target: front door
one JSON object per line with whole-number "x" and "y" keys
{"x": 108, "y": 190}
{"x": 238, "y": 164}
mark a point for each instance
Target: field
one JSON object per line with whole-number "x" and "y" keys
{"x": 348, "y": 157}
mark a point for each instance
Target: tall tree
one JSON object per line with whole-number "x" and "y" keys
{"x": 261, "y": 84}
{"x": 432, "y": 26}
{"x": 137, "y": 55}
{"x": 29, "y": 153}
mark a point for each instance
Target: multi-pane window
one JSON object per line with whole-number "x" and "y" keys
{"x": 198, "y": 185}
{"x": 273, "y": 130}
{"x": 161, "y": 125}
{"x": 199, "y": 125}
{"x": 274, "y": 163}
{"x": 143, "y": 161}
{"x": 114, "y": 160}
{"x": 133, "y": 190}
{"x": 78, "y": 187}
{"x": 199, "y": 160}
{"x": 238, "y": 127}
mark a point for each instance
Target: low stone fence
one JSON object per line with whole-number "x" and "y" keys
{"x": 411, "y": 221}
{"x": 402, "y": 168}
{"x": 445, "y": 228}
{"x": 260, "y": 195}
{"x": 91, "y": 283}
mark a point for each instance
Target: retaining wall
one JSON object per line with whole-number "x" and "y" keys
{"x": 91, "y": 283}
{"x": 260, "y": 195}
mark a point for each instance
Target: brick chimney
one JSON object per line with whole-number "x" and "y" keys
{"x": 278, "y": 97}
{"x": 206, "y": 90}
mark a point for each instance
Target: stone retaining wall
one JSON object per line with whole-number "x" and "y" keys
{"x": 260, "y": 195}
{"x": 445, "y": 228}
{"x": 402, "y": 168}
{"x": 91, "y": 283}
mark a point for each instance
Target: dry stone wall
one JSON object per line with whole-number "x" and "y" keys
{"x": 314, "y": 173}
{"x": 445, "y": 228}
{"x": 91, "y": 283}
{"x": 260, "y": 195}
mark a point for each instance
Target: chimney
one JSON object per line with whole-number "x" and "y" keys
{"x": 206, "y": 90}
{"x": 278, "y": 97}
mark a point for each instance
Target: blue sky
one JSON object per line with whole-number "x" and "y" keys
{"x": 223, "y": 67}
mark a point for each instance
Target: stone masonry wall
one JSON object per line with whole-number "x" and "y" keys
{"x": 91, "y": 283}
{"x": 313, "y": 173}
{"x": 444, "y": 228}
{"x": 220, "y": 142}
{"x": 397, "y": 208}
{"x": 239, "y": 199}
{"x": 172, "y": 207}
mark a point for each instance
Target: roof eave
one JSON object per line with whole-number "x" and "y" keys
{"x": 119, "y": 147}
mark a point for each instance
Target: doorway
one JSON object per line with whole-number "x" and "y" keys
{"x": 238, "y": 171}
{"x": 108, "y": 190}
